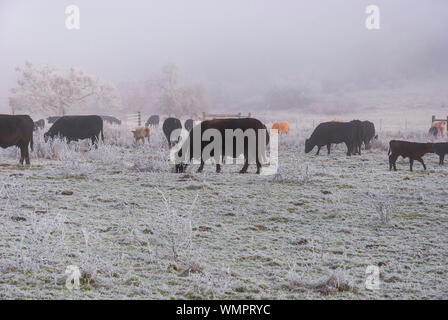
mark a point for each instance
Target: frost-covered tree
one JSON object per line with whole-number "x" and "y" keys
{"x": 47, "y": 90}
{"x": 178, "y": 99}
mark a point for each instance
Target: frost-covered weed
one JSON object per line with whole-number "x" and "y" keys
{"x": 173, "y": 230}
{"x": 42, "y": 241}
{"x": 382, "y": 202}
{"x": 210, "y": 285}
{"x": 292, "y": 175}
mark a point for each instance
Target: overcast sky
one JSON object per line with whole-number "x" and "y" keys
{"x": 225, "y": 42}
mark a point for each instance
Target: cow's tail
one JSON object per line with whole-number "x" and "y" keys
{"x": 102, "y": 136}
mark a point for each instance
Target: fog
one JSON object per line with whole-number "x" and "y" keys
{"x": 237, "y": 49}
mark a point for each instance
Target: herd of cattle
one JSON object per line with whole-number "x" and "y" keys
{"x": 17, "y": 130}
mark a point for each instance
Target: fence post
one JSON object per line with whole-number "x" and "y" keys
{"x": 139, "y": 119}
{"x": 433, "y": 118}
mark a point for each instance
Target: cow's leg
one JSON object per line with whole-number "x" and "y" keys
{"x": 411, "y": 163}
{"x": 421, "y": 161}
{"x": 258, "y": 166}
{"x": 246, "y": 165}
{"x": 95, "y": 141}
{"x": 201, "y": 166}
{"x": 349, "y": 149}
{"x": 392, "y": 161}
{"x": 441, "y": 158}
{"x": 27, "y": 155}
{"x": 318, "y": 149}
{"x": 328, "y": 148}
{"x": 22, "y": 154}
{"x": 218, "y": 168}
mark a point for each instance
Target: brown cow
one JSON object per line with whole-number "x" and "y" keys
{"x": 406, "y": 149}
{"x": 141, "y": 133}
{"x": 282, "y": 127}
{"x": 438, "y": 128}
{"x": 17, "y": 130}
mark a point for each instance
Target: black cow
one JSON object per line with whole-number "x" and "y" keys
{"x": 189, "y": 124}
{"x": 368, "y": 133}
{"x": 17, "y": 130}
{"x": 39, "y": 124}
{"x": 52, "y": 119}
{"x": 441, "y": 149}
{"x": 406, "y": 149}
{"x": 169, "y": 125}
{"x": 153, "y": 121}
{"x": 327, "y": 133}
{"x": 111, "y": 120}
{"x": 247, "y": 125}
{"x": 75, "y": 128}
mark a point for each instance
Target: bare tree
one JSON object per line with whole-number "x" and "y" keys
{"x": 47, "y": 90}
{"x": 178, "y": 99}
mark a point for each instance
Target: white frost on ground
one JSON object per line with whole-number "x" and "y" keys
{"x": 138, "y": 230}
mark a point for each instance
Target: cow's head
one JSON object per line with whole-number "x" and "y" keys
{"x": 308, "y": 146}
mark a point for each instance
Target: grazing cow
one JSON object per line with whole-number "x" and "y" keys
{"x": 406, "y": 149}
{"x": 189, "y": 124}
{"x": 17, "y": 130}
{"x": 111, "y": 120}
{"x": 438, "y": 128}
{"x": 39, "y": 124}
{"x": 75, "y": 128}
{"x": 327, "y": 133}
{"x": 221, "y": 125}
{"x": 141, "y": 133}
{"x": 282, "y": 127}
{"x": 153, "y": 121}
{"x": 53, "y": 119}
{"x": 441, "y": 149}
{"x": 169, "y": 125}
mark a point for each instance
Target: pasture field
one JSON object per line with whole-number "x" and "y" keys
{"x": 137, "y": 230}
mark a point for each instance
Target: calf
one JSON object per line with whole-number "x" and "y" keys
{"x": 141, "y": 133}
{"x": 438, "y": 128}
{"x": 406, "y": 149}
{"x": 441, "y": 149}
{"x": 282, "y": 127}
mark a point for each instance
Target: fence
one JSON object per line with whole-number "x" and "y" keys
{"x": 221, "y": 115}
{"x": 434, "y": 119}
{"x": 134, "y": 119}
